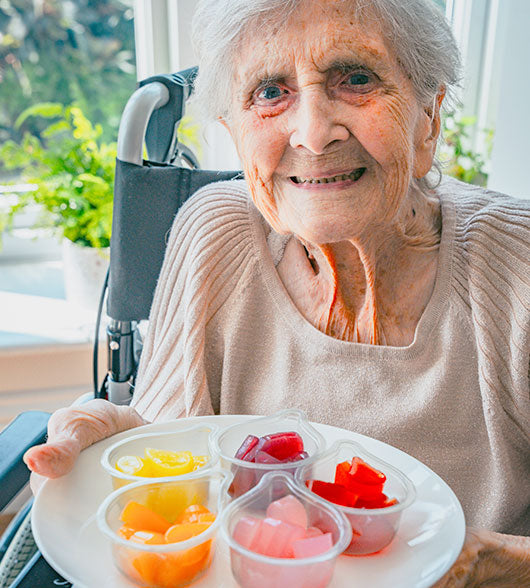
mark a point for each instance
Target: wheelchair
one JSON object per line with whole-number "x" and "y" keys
{"x": 147, "y": 195}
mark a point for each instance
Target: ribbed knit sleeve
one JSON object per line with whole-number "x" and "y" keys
{"x": 208, "y": 256}
{"x": 492, "y": 277}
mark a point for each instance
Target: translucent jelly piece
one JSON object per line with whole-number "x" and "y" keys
{"x": 191, "y": 513}
{"x": 140, "y": 517}
{"x": 248, "y": 444}
{"x": 264, "y": 457}
{"x": 298, "y": 456}
{"x": 282, "y": 446}
{"x": 246, "y": 531}
{"x": 244, "y": 480}
{"x": 289, "y": 510}
{"x": 276, "y": 537}
{"x": 148, "y": 538}
{"x": 333, "y": 492}
{"x": 168, "y": 463}
{"x": 312, "y": 532}
{"x": 184, "y": 531}
{"x": 365, "y": 473}
{"x": 312, "y": 546}
{"x": 133, "y": 466}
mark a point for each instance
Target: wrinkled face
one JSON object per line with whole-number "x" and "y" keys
{"x": 327, "y": 125}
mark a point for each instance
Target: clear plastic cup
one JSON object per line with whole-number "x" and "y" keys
{"x": 173, "y": 564}
{"x": 253, "y": 570}
{"x": 226, "y": 442}
{"x": 372, "y": 529}
{"x": 195, "y": 439}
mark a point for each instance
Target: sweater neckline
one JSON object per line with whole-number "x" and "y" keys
{"x": 301, "y": 326}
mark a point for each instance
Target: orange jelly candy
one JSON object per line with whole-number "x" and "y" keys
{"x": 142, "y": 518}
{"x": 167, "y": 570}
{"x": 190, "y": 514}
{"x": 148, "y": 538}
{"x": 183, "y": 531}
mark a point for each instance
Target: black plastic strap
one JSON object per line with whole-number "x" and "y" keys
{"x": 26, "y": 430}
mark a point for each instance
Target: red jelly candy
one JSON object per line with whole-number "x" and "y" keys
{"x": 298, "y": 456}
{"x": 333, "y": 492}
{"x": 282, "y": 446}
{"x": 364, "y": 473}
{"x": 342, "y": 474}
{"x": 264, "y": 457}
{"x": 248, "y": 444}
{"x": 354, "y": 482}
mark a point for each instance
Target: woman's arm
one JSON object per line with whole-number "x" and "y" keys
{"x": 70, "y": 430}
{"x": 490, "y": 559}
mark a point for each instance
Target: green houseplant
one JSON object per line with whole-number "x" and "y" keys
{"x": 72, "y": 171}
{"x": 456, "y": 155}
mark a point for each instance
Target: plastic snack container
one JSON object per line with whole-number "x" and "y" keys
{"x": 227, "y": 441}
{"x": 253, "y": 570}
{"x": 195, "y": 439}
{"x": 372, "y": 529}
{"x": 168, "y": 565}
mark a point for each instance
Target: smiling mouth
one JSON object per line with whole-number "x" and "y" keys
{"x": 353, "y": 176}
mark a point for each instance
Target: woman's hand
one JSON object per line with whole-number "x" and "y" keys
{"x": 490, "y": 559}
{"x": 72, "y": 429}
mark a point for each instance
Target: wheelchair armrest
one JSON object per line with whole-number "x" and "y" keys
{"x": 26, "y": 430}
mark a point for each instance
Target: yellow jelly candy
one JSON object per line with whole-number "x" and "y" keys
{"x": 199, "y": 461}
{"x": 133, "y": 465}
{"x": 169, "y": 463}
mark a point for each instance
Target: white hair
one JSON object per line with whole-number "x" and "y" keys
{"x": 416, "y": 30}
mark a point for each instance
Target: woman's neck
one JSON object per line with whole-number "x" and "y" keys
{"x": 372, "y": 289}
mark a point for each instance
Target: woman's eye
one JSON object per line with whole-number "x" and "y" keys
{"x": 270, "y": 93}
{"x": 358, "y": 79}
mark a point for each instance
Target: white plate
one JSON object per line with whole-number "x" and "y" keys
{"x": 429, "y": 539}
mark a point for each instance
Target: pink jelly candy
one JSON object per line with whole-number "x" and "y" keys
{"x": 298, "y": 456}
{"x": 248, "y": 444}
{"x": 246, "y": 531}
{"x": 312, "y": 546}
{"x": 312, "y": 532}
{"x": 282, "y": 446}
{"x": 264, "y": 457}
{"x": 289, "y": 510}
{"x": 275, "y": 538}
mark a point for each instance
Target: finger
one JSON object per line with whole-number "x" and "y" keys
{"x": 52, "y": 459}
{"x": 70, "y": 430}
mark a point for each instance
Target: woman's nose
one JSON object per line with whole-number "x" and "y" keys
{"x": 315, "y": 123}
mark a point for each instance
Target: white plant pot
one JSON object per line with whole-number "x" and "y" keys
{"x": 84, "y": 273}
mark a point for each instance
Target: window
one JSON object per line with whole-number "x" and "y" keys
{"x": 80, "y": 51}
{"x": 70, "y": 52}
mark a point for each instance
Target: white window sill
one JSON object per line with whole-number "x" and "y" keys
{"x": 46, "y": 343}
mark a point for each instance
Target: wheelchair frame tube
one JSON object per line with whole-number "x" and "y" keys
{"x": 135, "y": 118}
{"x": 121, "y": 364}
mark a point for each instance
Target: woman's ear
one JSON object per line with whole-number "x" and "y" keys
{"x": 427, "y": 135}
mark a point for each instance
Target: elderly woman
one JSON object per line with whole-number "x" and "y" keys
{"x": 337, "y": 277}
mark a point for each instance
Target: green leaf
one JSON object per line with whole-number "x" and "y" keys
{"x": 55, "y": 128}
{"x": 44, "y": 109}
{"x": 90, "y": 178}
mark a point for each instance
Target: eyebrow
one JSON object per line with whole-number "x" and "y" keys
{"x": 368, "y": 59}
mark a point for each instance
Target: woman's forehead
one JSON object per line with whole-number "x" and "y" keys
{"x": 326, "y": 39}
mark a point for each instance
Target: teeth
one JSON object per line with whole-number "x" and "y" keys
{"x": 355, "y": 175}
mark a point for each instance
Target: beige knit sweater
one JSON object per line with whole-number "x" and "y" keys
{"x": 225, "y": 337}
